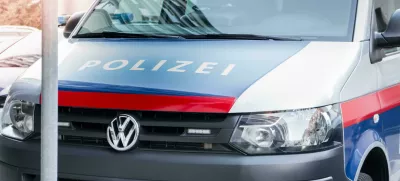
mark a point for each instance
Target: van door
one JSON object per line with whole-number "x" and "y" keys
{"x": 389, "y": 85}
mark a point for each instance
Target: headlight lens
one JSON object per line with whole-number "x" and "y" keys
{"x": 17, "y": 119}
{"x": 289, "y": 131}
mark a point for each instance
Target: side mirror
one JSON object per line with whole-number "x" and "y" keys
{"x": 72, "y": 22}
{"x": 391, "y": 37}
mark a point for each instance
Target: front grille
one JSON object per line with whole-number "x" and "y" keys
{"x": 158, "y": 130}
{"x": 34, "y": 177}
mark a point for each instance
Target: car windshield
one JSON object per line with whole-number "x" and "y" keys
{"x": 325, "y": 20}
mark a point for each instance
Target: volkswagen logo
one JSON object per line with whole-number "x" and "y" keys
{"x": 123, "y": 132}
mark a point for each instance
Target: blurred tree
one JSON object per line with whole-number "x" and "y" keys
{"x": 20, "y": 12}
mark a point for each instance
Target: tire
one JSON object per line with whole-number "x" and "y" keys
{"x": 364, "y": 177}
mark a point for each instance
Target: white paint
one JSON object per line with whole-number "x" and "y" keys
{"x": 122, "y": 63}
{"x": 363, "y": 79}
{"x": 159, "y": 65}
{"x": 388, "y": 71}
{"x": 228, "y": 69}
{"x": 88, "y": 64}
{"x": 137, "y": 65}
{"x": 9, "y": 75}
{"x": 311, "y": 78}
{"x": 206, "y": 66}
{"x": 181, "y": 65}
{"x": 363, "y": 21}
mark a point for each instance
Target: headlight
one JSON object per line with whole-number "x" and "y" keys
{"x": 289, "y": 131}
{"x": 17, "y": 119}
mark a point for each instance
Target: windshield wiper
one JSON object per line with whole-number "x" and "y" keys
{"x": 110, "y": 34}
{"x": 240, "y": 37}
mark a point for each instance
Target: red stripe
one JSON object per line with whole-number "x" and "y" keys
{"x": 145, "y": 102}
{"x": 360, "y": 109}
{"x": 363, "y": 108}
{"x": 389, "y": 98}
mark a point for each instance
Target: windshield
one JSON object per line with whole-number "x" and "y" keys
{"x": 326, "y": 20}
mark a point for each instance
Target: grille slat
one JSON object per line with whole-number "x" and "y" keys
{"x": 83, "y": 133}
{"x": 164, "y": 119}
{"x": 158, "y": 130}
{"x": 148, "y": 145}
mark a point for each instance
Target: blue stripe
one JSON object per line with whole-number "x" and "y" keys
{"x": 252, "y": 59}
{"x": 108, "y": 88}
{"x": 357, "y": 139}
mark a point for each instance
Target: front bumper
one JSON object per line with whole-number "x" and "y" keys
{"x": 21, "y": 160}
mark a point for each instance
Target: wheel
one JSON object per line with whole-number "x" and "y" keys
{"x": 364, "y": 177}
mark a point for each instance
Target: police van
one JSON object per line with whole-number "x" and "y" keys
{"x": 217, "y": 90}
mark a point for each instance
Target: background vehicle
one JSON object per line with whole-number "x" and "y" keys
{"x": 18, "y": 51}
{"x": 218, "y": 90}
{"x": 15, "y": 32}
{"x": 20, "y": 46}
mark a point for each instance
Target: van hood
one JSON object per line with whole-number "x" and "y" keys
{"x": 164, "y": 75}
{"x": 8, "y": 76}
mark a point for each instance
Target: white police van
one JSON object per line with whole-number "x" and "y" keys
{"x": 215, "y": 90}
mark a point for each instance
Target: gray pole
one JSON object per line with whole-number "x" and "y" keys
{"x": 49, "y": 130}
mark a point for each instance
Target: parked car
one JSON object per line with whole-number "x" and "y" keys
{"x": 18, "y": 54}
{"x": 226, "y": 90}
{"x": 15, "y": 32}
{"x": 9, "y": 35}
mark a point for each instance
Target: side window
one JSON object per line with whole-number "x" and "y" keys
{"x": 383, "y": 11}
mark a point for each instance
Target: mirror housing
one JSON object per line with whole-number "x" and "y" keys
{"x": 390, "y": 38}
{"x": 72, "y": 22}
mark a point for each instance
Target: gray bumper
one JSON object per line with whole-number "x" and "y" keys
{"x": 22, "y": 159}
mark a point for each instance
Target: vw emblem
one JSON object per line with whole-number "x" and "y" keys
{"x": 123, "y": 132}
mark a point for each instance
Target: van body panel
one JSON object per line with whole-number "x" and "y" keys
{"x": 362, "y": 29}
{"x": 195, "y": 69}
{"x": 370, "y": 107}
{"x": 369, "y": 119}
{"x": 313, "y": 77}
{"x": 389, "y": 95}
{"x": 364, "y": 78}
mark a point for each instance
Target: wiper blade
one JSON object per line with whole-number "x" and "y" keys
{"x": 240, "y": 37}
{"x": 110, "y": 34}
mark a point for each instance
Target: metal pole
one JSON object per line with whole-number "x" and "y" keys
{"x": 49, "y": 130}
